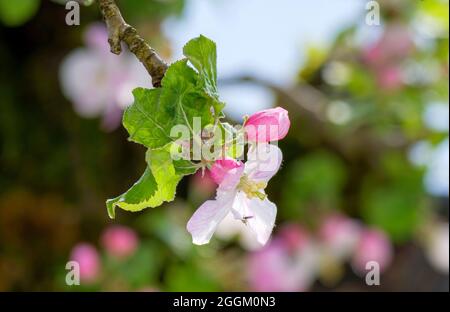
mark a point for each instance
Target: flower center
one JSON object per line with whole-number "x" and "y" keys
{"x": 251, "y": 188}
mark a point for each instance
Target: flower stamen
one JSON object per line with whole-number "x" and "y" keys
{"x": 251, "y": 188}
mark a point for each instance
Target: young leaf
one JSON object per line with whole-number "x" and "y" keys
{"x": 136, "y": 197}
{"x": 155, "y": 111}
{"x": 202, "y": 54}
{"x": 157, "y": 184}
{"x": 143, "y": 120}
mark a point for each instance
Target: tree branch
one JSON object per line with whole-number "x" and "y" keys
{"x": 119, "y": 30}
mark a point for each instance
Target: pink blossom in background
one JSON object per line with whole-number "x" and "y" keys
{"x": 294, "y": 237}
{"x": 288, "y": 263}
{"x": 340, "y": 235}
{"x": 89, "y": 261}
{"x": 268, "y": 125}
{"x": 389, "y": 78}
{"x": 119, "y": 241}
{"x": 373, "y": 245}
{"x": 99, "y": 83}
{"x": 385, "y": 55}
{"x": 395, "y": 44}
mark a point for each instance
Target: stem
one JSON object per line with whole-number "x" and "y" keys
{"x": 119, "y": 30}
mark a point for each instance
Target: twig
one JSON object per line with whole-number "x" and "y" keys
{"x": 119, "y": 30}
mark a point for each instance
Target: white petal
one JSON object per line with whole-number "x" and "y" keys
{"x": 263, "y": 162}
{"x": 263, "y": 220}
{"x": 240, "y": 207}
{"x": 79, "y": 77}
{"x": 207, "y": 217}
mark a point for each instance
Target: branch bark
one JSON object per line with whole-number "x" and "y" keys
{"x": 119, "y": 30}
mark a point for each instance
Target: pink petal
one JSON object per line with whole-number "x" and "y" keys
{"x": 231, "y": 179}
{"x": 221, "y": 167}
{"x": 268, "y": 125}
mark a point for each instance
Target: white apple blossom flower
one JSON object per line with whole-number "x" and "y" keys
{"x": 241, "y": 194}
{"x": 98, "y": 82}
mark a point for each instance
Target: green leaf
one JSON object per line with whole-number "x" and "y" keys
{"x": 136, "y": 197}
{"x": 202, "y": 54}
{"x": 157, "y": 184}
{"x": 16, "y": 13}
{"x": 155, "y": 112}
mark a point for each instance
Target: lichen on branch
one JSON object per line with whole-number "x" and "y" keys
{"x": 119, "y": 30}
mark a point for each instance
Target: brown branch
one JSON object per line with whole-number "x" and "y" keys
{"x": 119, "y": 30}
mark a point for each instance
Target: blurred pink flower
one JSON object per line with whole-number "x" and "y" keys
{"x": 373, "y": 245}
{"x": 89, "y": 261}
{"x": 395, "y": 44}
{"x": 389, "y": 78}
{"x": 267, "y": 125}
{"x": 288, "y": 263}
{"x": 384, "y": 56}
{"x": 98, "y": 82}
{"x": 340, "y": 235}
{"x": 119, "y": 241}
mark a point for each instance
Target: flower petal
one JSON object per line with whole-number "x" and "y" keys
{"x": 240, "y": 207}
{"x": 263, "y": 218}
{"x": 263, "y": 161}
{"x": 207, "y": 217}
{"x": 222, "y": 167}
{"x": 231, "y": 179}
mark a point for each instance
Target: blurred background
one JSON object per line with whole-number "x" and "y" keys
{"x": 365, "y": 172}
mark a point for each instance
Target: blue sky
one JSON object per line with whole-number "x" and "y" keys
{"x": 264, "y": 38}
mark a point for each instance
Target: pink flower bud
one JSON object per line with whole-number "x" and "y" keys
{"x": 373, "y": 245}
{"x": 268, "y": 125}
{"x": 221, "y": 167}
{"x": 89, "y": 261}
{"x": 119, "y": 241}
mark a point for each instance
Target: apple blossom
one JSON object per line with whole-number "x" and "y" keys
{"x": 89, "y": 261}
{"x": 389, "y": 78}
{"x": 288, "y": 263}
{"x": 339, "y": 235}
{"x": 373, "y": 245}
{"x": 394, "y": 45}
{"x": 267, "y": 125}
{"x": 98, "y": 82}
{"x": 119, "y": 241}
{"x": 241, "y": 193}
